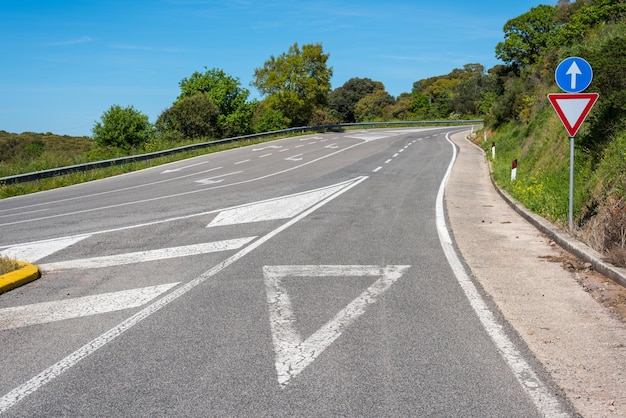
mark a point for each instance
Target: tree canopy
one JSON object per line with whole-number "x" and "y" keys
{"x": 122, "y": 127}
{"x": 527, "y": 36}
{"x": 296, "y": 82}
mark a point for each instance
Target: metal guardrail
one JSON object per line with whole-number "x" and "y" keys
{"x": 53, "y": 172}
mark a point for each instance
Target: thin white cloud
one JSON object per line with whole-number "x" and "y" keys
{"x": 145, "y": 48}
{"x": 77, "y": 41}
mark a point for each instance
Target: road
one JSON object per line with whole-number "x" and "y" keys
{"x": 308, "y": 276}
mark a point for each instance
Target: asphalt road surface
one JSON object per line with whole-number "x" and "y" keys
{"x": 307, "y": 276}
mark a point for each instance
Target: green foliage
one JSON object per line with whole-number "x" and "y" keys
{"x": 223, "y": 90}
{"x": 296, "y": 82}
{"x": 526, "y": 37}
{"x": 122, "y": 127}
{"x": 454, "y": 95}
{"x": 211, "y": 104}
{"x": 191, "y": 117}
{"x": 373, "y": 106}
{"x": 343, "y": 99}
{"x": 267, "y": 119}
{"x": 608, "y": 116}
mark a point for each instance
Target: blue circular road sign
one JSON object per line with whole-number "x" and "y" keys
{"x": 573, "y": 75}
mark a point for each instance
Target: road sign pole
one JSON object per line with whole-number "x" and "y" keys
{"x": 571, "y": 184}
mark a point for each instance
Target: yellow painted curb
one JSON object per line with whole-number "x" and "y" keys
{"x": 26, "y": 274}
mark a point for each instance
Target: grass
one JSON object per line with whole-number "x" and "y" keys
{"x": 8, "y": 265}
{"x": 85, "y": 176}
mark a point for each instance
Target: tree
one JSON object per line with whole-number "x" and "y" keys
{"x": 296, "y": 83}
{"x": 267, "y": 119}
{"x": 192, "y": 117}
{"x": 343, "y": 99}
{"x": 372, "y": 106}
{"x": 122, "y": 127}
{"x": 579, "y": 17}
{"x": 225, "y": 91}
{"x": 527, "y": 36}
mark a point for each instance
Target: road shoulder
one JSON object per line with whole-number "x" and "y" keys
{"x": 575, "y": 337}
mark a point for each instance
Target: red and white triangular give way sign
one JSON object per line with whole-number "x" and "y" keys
{"x": 573, "y": 108}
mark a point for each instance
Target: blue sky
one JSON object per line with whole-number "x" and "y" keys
{"x": 66, "y": 62}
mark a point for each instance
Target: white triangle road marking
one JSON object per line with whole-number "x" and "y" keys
{"x": 41, "y": 313}
{"x": 293, "y": 354}
{"x": 150, "y": 255}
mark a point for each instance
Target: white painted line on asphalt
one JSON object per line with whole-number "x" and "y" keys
{"x": 217, "y": 179}
{"x": 145, "y": 256}
{"x": 395, "y": 155}
{"x": 294, "y": 157}
{"x": 267, "y": 147}
{"x": 54, "y": 371}
{"x": 298, "y": 146}
{"x": 388, "y": 161}
{"x": 273, "y": 209}
{"x": 265, "y": 155}
{"x": 377, "y": 169}
{"x": 60, "y": 310}
{"x": 175, "y": 195}
{"x": 21, "y": 212}
{"x": 293, "y": 354}
{"x": 174, "y": 170}
{"x": 242, "y": 162}
{"x": 545, "y": 402}
{"x": 35, "y": 251}
{"x": 332, "y": 146}
{"x": 105, "y": 193}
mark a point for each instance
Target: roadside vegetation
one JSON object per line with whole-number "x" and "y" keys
{"x": 7, "y": 265}
{"x": 525, "y": 128}
{"x": 511, "y": 98}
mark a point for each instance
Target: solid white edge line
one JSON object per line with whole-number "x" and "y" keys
{"x": 54, "y": 371}
{"x": 546, "y": 403}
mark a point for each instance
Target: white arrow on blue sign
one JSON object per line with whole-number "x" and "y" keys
{"x": 573, "y": 75}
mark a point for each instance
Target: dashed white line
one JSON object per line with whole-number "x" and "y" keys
{"x": 242, "y": 162}
{"x": 388, "y": 161}
{"x": 377, "y": 169}
{"x": 265, "y": 155}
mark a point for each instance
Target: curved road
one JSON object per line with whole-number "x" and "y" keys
{"x": 304, "y": 277}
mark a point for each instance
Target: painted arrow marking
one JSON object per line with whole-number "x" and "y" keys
{"x": 206, "y": 182}
{"x": 267, "y": 147}
{"x": 217, "y": 179}
{"x": 144, "y": 256}
{"x": 174, "y": 170}
{"x": 293, "y": 354}
{"x": 41, "y": 313}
